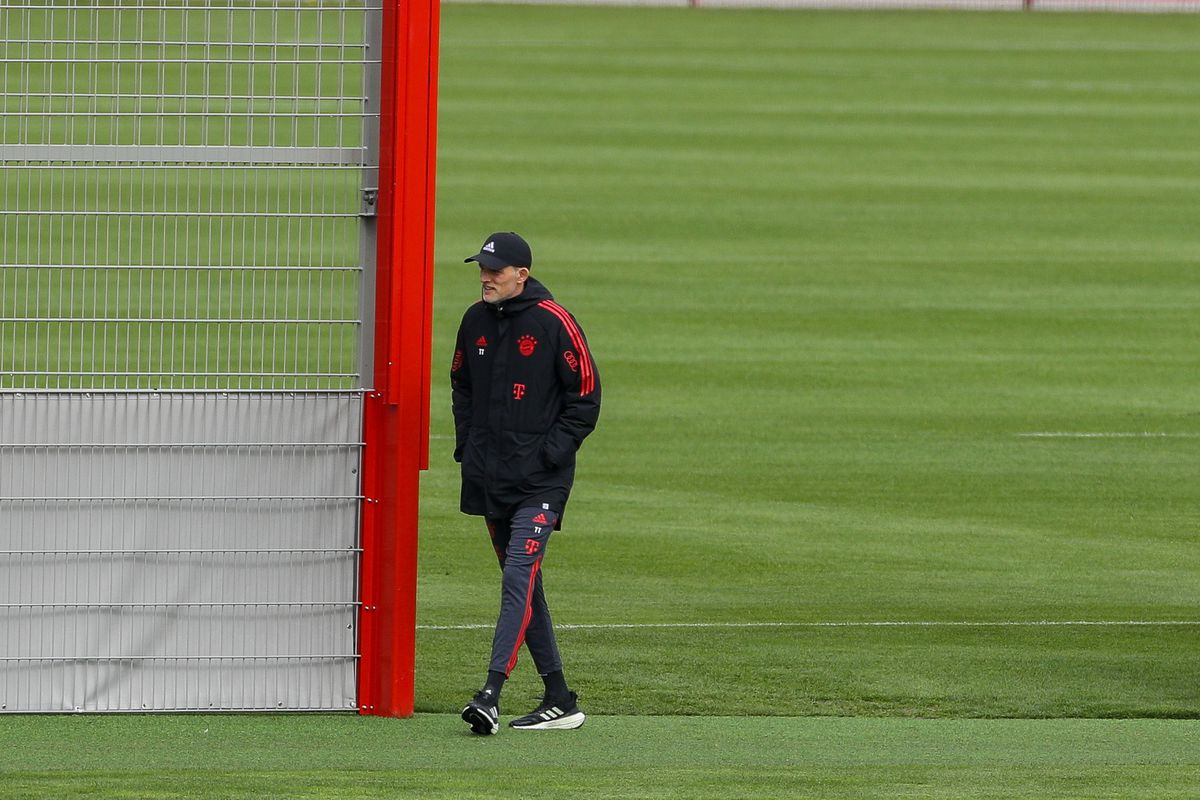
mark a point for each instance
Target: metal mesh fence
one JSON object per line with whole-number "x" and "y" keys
{"x": 186, "y": 249}
{"x": 181, "y": 190}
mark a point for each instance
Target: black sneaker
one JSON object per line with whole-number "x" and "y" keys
{"x": 483, "y": 713}
{"x": 561, "y": 715}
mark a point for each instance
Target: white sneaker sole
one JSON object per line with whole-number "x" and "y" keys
{"x": 567, "y": 723}
{"x": 480, "y": 723}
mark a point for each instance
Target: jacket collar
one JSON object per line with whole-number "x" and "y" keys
{"x": 533, "y": 293}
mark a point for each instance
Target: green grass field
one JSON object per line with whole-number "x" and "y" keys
{"x": 433, "y": 756}
{"x": 842, "y": 274}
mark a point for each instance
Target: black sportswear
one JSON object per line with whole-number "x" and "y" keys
{"x": 525, "y": 395}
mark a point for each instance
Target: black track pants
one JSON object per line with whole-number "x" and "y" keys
{"x": 520, "y": 544}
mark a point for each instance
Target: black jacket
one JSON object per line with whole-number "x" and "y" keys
{"x": 525, "y": 394}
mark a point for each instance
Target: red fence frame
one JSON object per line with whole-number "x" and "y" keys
{"x": 396, "y": 417}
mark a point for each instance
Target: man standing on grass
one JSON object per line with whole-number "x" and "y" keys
{"x": 525, "y": 394}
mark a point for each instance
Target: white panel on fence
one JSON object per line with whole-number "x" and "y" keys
{"x": 185, "y": 240}
{"x": 178, "y": 550}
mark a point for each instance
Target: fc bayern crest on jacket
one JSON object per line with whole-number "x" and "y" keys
{"x": 526, "y": 345}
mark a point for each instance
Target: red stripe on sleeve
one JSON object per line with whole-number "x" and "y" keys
{"x": 587, "y": 376}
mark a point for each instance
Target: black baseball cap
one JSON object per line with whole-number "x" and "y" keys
{"x": 503, "y": 249}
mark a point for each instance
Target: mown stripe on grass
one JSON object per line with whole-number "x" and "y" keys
{"x": 475, "y": 626}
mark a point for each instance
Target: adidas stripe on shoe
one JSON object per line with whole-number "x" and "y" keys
{"x": 562, "y": 715}
{"x": 483, "y": 714}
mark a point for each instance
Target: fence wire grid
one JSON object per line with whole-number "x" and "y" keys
{"x": 181, "y": 192}
{"x": 186, "y": 243}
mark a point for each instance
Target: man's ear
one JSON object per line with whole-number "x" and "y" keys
{"x": 522, "y": 274}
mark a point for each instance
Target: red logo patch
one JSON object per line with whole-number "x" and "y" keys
{"x": 532, "y": 546}
{"x": 526, "y": 344}
{"x": 572, "y": 362}
{"x": 540, "y": 519}
{"x": 481, "y": 341}
{"x": 518, "y": 391}
{"x": 458, "y": 359}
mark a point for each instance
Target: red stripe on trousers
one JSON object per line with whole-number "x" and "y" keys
{"x": 587, "y": 377}
{"x": 512, "y": 660}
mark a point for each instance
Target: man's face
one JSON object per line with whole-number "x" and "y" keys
{"x": 500, "y": 285}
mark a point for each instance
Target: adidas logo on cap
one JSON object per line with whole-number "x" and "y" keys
{"x": 503, "y": 249}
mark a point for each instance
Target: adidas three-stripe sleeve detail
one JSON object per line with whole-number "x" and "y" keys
{"x": 587, "y": 374}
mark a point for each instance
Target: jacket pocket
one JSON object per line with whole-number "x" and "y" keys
{"x": 473, "y": 457}
{"x": 520, "y": 457}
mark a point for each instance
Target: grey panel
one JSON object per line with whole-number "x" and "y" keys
{"x": 181, "y": 232}
{"x": 178, "y": 550}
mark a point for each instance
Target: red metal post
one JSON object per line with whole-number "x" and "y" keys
{"x": 396, "y": 417}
